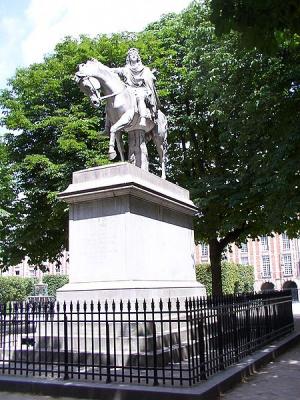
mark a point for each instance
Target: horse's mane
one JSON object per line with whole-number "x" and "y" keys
{"x": 107, "y": 69}
{"x": 99, "y": 62}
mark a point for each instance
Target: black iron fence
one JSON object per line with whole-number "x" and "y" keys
{"x": 170, "y": 343}
{"x": 295, "y": 293}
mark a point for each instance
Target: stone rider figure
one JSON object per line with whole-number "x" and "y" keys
{"x": 141, "y": 79}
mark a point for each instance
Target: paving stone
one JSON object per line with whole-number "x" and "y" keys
{"x": 279, "y": 380}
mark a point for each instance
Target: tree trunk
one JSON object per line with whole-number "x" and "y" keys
{"x": 215, "y": 254}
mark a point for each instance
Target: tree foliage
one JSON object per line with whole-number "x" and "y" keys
{"x": 234, "y": 142}
{"x": 264, "y": 24}
{"x": 13, "y": 288}
{"x": 236, "y": 278}
{"x": 7, "y": 194}
{"x": 6, "y": 183}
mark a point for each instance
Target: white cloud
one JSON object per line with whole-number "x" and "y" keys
{"x": 52, "y": 20}
{"x": 27, "y": 35}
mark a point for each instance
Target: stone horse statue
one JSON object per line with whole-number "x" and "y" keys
{"x": 122, "y": 114}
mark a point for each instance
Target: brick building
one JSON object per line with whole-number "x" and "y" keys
{"x": 28, "y": 271}
{"x": 276, "y": 261}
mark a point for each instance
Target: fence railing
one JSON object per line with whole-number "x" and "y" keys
{"x": 157, "y": 342}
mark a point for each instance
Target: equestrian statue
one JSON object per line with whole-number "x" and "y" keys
{"x": 132, "y": 106}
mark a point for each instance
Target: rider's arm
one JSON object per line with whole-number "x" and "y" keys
{"x": 119, "y": 71}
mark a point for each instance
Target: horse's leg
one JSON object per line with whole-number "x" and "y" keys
{"x": 131, "y": 148}
{"x": 163, "y": 159}
{"x": 138, "y": 154}
{"x": 125, "y": 120}
{"x": 161, "y": 153}
{"x": 161, "y": 147}
{"x": 111, "y": 150}
{"x": 120, "y": 145}
{"x": 159, "y": 136}
{"x": 143, "y": 152}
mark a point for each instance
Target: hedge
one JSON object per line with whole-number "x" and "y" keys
{"x": 236, "y": 278}
{"x": 55, "y": 282}
{"x": 14, "y": 288}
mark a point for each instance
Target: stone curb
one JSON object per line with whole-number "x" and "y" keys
{"x": 209, "y": 390}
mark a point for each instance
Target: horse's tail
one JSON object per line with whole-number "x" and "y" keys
{"x": 162, "y": 126}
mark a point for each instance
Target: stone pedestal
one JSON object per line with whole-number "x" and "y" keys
{"x": 131, "y": 236}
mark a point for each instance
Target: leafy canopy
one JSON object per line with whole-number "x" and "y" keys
{"x": 263, "y": 24}
{"x": 234, "y": 137}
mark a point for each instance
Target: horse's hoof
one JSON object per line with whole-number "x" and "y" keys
{"x": 112, "y": 155}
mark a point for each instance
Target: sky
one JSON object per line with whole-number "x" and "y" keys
{"x": 29, "y": 29}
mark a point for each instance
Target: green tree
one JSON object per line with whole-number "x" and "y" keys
{"x": 233, "y": 140}
{"x": 264, "y": 24}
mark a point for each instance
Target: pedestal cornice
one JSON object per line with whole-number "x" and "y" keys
{"x": 124, "y": 179}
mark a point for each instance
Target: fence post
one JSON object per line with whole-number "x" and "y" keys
{"x": 201, "y": 323}
{"x": 219, "y": 307}
{"x": 66, "y": 352}
{"x": 267, "y": 322}
{"x": 248, "y": 327}
{"x": 155, "y": 378}
{"x": 290, "y": 317}
{"x": 108, "y": 376}
{"x": 234, "y": 309}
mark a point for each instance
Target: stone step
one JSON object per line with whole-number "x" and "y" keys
{"x": 141, "y": 343}
{"x": 82, "y": 359}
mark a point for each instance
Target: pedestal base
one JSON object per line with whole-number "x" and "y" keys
{"x": 134, "y": 290}
{"x": 131, "y": 236}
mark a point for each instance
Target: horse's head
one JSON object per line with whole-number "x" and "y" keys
{"x": 90, "y": 87}
{"x": 88, "y": 84}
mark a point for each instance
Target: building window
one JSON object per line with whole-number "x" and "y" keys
{"x": 287, "y": 265}
{"x": 264, "y": 243}
{"x": 266, "y": 268}
{"x": 286, "y": 244}
{"x": 244, "y": 248}
{"x": 244, "y": 260}
{"x": 57, "y": 269}
{"x": 17, "y": 272}
{"x": 204, "y": 250}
